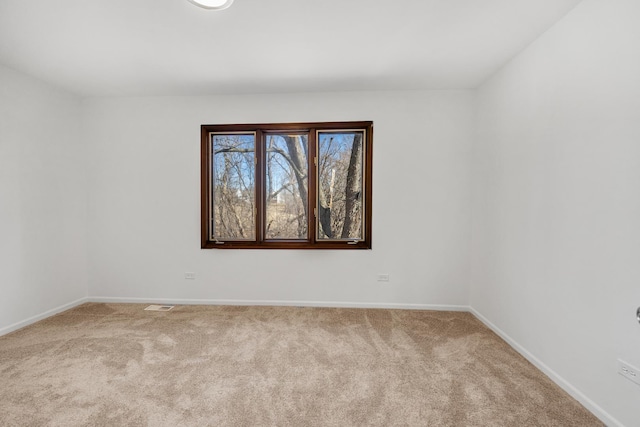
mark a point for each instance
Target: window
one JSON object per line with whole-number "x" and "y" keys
{"x": 288, "y": 185}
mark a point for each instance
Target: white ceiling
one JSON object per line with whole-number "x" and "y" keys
{"x": 171, "y": 47}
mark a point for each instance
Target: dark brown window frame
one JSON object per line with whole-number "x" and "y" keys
{"x": 312, "y": 242}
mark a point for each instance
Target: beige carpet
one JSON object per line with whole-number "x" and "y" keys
{"x": 117, "y": 365}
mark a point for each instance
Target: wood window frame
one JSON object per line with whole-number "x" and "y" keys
{"x": 312, "y": 129}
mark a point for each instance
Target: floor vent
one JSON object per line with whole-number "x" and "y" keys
{"x": 154, "y": 307}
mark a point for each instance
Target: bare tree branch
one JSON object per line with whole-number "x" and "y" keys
{"x": 353, "y": 188}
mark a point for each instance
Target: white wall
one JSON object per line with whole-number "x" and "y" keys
{"x": 144, "y": 204}
{"x": 556, "y": 228}
{"x": 42, "y": 200}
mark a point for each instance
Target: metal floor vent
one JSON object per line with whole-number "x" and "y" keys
{"x": 154, "y": 307}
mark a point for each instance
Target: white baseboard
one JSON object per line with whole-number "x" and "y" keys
{"x": 604, "y": 416}
{"x": 36, "y": 318}
{"x": 286, "y": 303}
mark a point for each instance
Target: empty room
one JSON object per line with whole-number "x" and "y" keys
{"x": 320, "y": 213}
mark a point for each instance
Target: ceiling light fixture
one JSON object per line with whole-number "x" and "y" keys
{"x": 212, "y": 4}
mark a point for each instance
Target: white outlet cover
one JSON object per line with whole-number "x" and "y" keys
{"x": 628, "y": 371}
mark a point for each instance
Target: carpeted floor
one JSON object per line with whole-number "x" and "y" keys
{"x": 118, "y": 365}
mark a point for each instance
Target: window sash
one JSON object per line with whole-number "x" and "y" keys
{"x": 299, "y": 166}
{"x": 362, "y": 177}
{"x": 212, "y": 181}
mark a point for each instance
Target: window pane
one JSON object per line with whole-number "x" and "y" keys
{"x": 340, "y": 185}
{"x": 287, "y": 187}
{"x": 233, "y": 182}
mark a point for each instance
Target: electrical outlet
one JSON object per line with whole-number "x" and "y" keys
{"x": 189, "y": 275}
{"x": 383, "y": 277}
{"x": 630, "y": 372}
